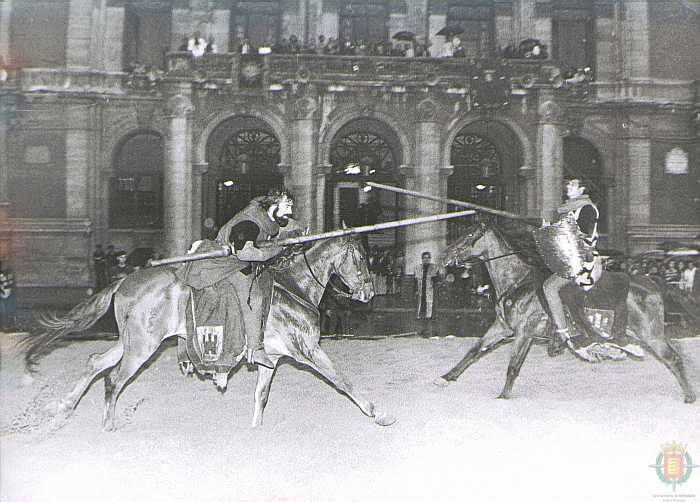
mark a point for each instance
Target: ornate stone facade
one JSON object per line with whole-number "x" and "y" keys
{"x": 526, "y": 108}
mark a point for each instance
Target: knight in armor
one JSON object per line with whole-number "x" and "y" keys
{"x": 583, "y": 210}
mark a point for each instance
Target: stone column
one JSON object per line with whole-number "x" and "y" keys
{"x": 550, "y": 157}
{"x": 6, "y": 115}
{"x": 637, "y": 164}
{"x": 177, "y": 185}
{"x": 320, "y": 175}
{"x": 427, "y": 179}
{"x": 78, "y": 41}
{"x": 300, "y": 179}
{"x": 78, "y": 150}
{"x": 198, "y": 170}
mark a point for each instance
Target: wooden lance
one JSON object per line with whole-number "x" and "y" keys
{"x": 454, "y": 202}
{"x": 226, "y": 250}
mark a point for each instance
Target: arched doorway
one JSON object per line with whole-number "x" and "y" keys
{"x": 136, "y": 189}
{"x": 243, "y": 155}
{"x": 582, "y": 160}
{"x": 485, "y": 156}
{"x": 364, "y": 149}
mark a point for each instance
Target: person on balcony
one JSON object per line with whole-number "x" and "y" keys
{"x": 196, "y": 45}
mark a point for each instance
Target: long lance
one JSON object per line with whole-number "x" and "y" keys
{"x": 226, "y": 250}
{"x": 454, "y": 202}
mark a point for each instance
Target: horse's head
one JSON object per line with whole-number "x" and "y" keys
{"x": 466, "y": 248}
{"x": 350, "y": 265}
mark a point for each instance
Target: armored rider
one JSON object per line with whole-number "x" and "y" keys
{"x": 583, "y": 210}
{"x": 260, "y": 221}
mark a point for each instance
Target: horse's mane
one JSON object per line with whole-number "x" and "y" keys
{"x": 518, "y": 236}
{"x": 289, "y": 255}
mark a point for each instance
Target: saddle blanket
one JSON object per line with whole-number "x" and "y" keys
{"x": 597, "y": 318}
{"x": 215, "y": 335}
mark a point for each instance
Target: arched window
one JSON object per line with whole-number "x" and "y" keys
{"x": 582, "y": 160}
{"x": 477, "y": 175}
{"x": 136, "y": 199}
{"x": 247, "y": 167}
{"x": 364, "y": 149}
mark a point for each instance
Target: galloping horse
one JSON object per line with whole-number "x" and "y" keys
{"x": 521, "y": 315}
{"x": 150, "y": 303}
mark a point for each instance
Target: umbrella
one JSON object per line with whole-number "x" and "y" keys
{"x": 404, "y": 35}
{"x": 449, "y": 31}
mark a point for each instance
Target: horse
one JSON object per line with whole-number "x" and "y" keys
{"x": 149, "y": 307}
{"x": 521, "y": 314}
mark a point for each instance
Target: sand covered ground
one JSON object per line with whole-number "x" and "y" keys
{"x": 572, "y": 432}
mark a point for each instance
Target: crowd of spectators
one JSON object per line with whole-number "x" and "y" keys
{"x": 110, "y": 265}
{"x": 668, "y": 271}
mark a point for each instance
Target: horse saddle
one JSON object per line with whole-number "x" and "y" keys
{"x": 597, "y": 318}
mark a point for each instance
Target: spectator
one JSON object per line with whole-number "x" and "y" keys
{"x": 211, "y": 46}
{"x": 121, "y": 269}
{"x": 246, "y": 47}
{"x": 425, "y": 274}
{"x": 448, "y": 49}
{"x": 184, "y": 44}
{"x": 99, "y": 262}
{"x": 321, "y": 45}
{"x": 8, "y": 300}
{"x": 688, "y": 278}
{"x": 196, "y": 45}
{"x": 110, "y": 257}
{"x": 457, "y": 48}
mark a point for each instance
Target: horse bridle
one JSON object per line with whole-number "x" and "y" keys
{"x": 335, "y": 290}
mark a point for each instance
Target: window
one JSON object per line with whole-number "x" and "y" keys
{"x": 259, "y": 21}
{"x": 247, "y": 168}
{"x": 363, "y": 21}
{"x": 573, "y": 33}
{"x": 146, "y": 35}
{"x": 136, "y": 199}
{"x": 477, "y": 19}
{"x": 37, "y": 176}
{"x": 477, "y": 176}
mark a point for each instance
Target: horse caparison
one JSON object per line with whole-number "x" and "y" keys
{"x": 150, "y": 307}
{"x": 525, "y": 316}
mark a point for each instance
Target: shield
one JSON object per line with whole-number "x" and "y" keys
{"x": 406, "y": 36}
{"x": 562, "y": 248}
{"x": 450, "y": 31}
{"x": 674, "y": 465}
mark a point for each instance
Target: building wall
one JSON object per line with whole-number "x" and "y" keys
{"x": 643, "y": 107}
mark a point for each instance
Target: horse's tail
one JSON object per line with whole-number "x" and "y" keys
{"x": 80, "y": 318}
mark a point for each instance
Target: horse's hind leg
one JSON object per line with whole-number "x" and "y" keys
{"x": 521, "y": 347}
{"x": 648, "y": 328}
{"x": 262, "y": 392}
{"x": 97, "y": 363}
{"x": 319, "y": 360}
{"x": 494, "y": 337}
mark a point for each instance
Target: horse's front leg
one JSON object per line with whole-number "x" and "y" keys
{"x": 262, "y": 391}
{"x": 521, "y": 346}
{"x": 319, "y": 360}
{"x": 497, "y": 334}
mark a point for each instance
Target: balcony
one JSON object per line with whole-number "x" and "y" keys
{"x": 277, "y": 72}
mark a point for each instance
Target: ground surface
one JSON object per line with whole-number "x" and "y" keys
{"x": 571, "y": 432}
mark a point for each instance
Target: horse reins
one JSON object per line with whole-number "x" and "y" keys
{"x": 311, "y": 271}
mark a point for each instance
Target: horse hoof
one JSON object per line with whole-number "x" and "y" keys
{"x": 503, "y": 395}
{"x": 690, "y": 398}
{"x": 441, "y": 382}
{"x": 384, "y": 419}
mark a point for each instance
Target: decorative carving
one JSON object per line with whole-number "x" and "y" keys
{"x": 550, "y": 112}
{"x": 303, "y": 109}
{"x": 428, "y": 111}
{"x": 178, "y": 106}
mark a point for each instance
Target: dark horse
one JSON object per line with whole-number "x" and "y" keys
{"x": 150, "y": 303}
{"x": 521, "y": 316}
